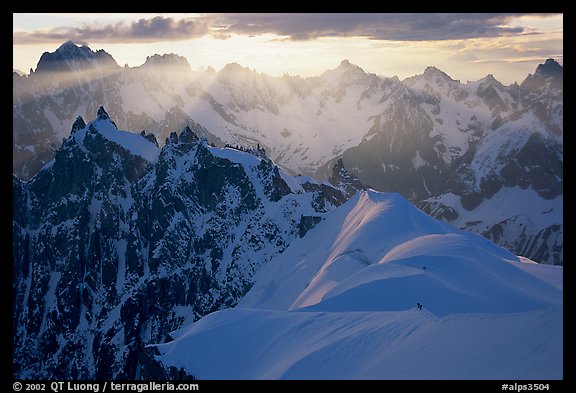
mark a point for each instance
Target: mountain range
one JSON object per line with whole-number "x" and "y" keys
{"x": 479, "y": 155}
{"x": 135, "y": 261}
{"x": 116, "y": 242}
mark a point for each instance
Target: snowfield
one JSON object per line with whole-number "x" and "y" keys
{"x": 340, "y": 303}
{"x": 412, "y": 344}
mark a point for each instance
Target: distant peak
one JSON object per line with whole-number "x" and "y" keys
{"x": 67, "y": 44}
{"x": 78, "y": 124}
{"x": 433, "y": 71}
{"x": 70, "y": 47}
{"x": 435, "y": 75}
{"x": 71, "y": 57}
{"x": 347, "y": 182}
{"x": 490, "y": 80}
{"x": 348, "y": 69}
{"x": 102, "y": 114}
{"x": 188, "y": 136}
{"x": 550, "y": 68}
{"x": 167, "y": 60}
{"x": 549, "y": 74}
{"x": 234, "y": 67}
{"x": 346, "y": 65}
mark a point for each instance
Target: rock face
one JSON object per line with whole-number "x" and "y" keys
{"x": 117, "y": 242}
{"x": 345, "y": 180}
{"x": 447, "y": 146}
{"x": 509, "y": 185}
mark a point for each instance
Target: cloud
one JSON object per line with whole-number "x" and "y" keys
{"x": 394, "y": 27}
{"x": 390, "y": 27}
{"x": 156, "y": 29}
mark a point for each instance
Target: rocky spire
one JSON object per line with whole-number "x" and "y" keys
{"x": 78, "y": 124}
{"x": 344, "y": 180}
{"x": 103, "y": 115}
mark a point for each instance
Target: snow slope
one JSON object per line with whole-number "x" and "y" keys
{"x": 260, "y": 344}
{"x": 340, "y": 304}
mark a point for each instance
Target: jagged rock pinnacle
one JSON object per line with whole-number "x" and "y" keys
{"x": 102, "y": 114}
{"x": 78, "y": 124}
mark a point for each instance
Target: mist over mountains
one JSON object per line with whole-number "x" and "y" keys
{"x": 459, "y": 151}
{"x": 129, "y": 257}
{"x": 280, "y": 228}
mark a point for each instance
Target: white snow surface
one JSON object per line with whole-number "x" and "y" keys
{"x": 340, "y": 303}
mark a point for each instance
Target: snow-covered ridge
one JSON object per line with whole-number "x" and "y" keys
{"x": 381, "y": 235}
{"x": 340, "y": 303}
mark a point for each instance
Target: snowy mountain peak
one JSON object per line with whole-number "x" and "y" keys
{"x": 434, "y": 82}
{"x": 345, "y": 64}
{"x": 170, "y": 61}
{"x": 234, "y": 68}
{"x": 549, "y": 69}
{"x": 69, "y": 47}
{"x": 432, "y": 72}
{"x": 345, "y": 72}
{"x": 360, "y": 242}
{"x": 489, "y": 81}
{"x": 440, "y": 81}
{"x": 548, "y": 75}
{"x": 347, "y": 67}
{"x": 71, "y": 57}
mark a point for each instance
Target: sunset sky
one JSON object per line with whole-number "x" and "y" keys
{"x": 466, "y": 46}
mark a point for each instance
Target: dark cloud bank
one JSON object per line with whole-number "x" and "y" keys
{"x": 396, "y": 27}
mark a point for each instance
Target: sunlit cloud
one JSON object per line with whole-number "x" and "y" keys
{"x": 374, "y": 26}
{"x": 156, "y": 29}
{"x": 395, "y": 27}
{"x": 466, "y": 46}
